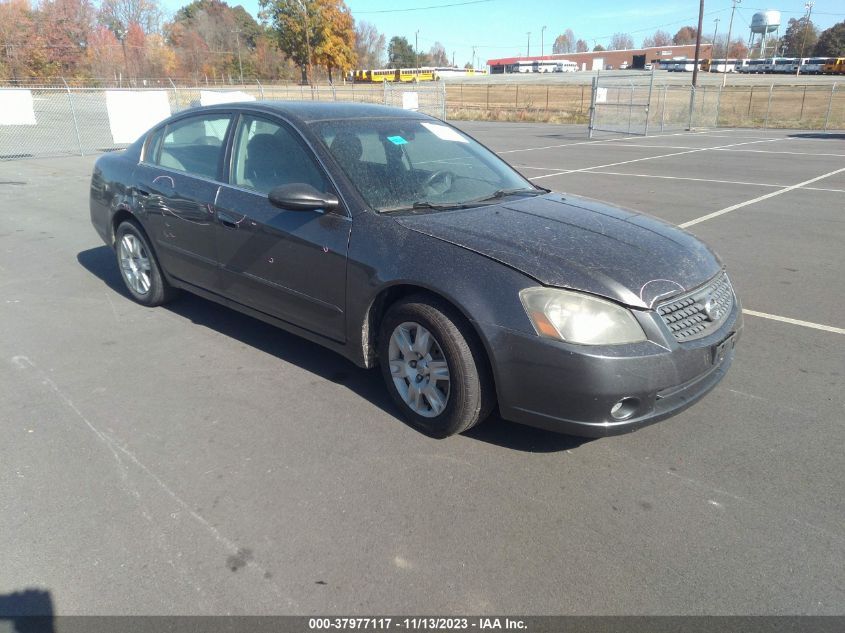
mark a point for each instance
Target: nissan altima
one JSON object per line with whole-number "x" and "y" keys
{"x": 400, "y": 242}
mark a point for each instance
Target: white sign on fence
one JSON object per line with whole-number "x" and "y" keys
{"x": 411, "y": 100}
{"x": 133, "y": 112}
{"x": 211, "y": 97}
{"x": 601, "y": 95}
{"x": 16, "y": 107}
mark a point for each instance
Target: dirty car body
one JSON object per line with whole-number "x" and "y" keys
{"x": 589, "y": 319}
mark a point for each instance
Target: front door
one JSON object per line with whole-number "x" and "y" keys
{"x": 178, "y": 182}
{"x": 285, "y": 263}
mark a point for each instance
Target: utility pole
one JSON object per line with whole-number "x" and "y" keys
{"x": 453, "y": 59}
{"x": 713, "y": 46}
{"x": 728, "y": 43}
{"x": 809, "y": 7}
{"x": 121, "y": 35}
{"x": 542, "y": 43}
{"x": 240, "y": 64}
{"x": 417, "y": 49}
{"x": 307, "y": 40}
{"x": 697, "y": 57}
{"x": 528, "y": 52}
{"x": 473, "y": 56}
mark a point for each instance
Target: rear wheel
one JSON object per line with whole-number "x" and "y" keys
{"x": 139, "y": 267}
{"x": 434, "y": 368}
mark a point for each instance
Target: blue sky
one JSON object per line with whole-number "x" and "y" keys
{"x": 498, "y": 27}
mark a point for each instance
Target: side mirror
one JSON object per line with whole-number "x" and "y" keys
{"x": 300, "y": 196}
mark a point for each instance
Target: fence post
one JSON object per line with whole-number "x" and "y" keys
{"x": 648, "y": 105}
{"x": 663, "y": 106}
{"x": 803, "y": 97}
{"x": 630, "y": 108}
{"x": 768, "y": 106}
{"x": 73, "y": 114}
{"x": 829, "y": 105}
{"x": 175, "y": 93}
{"x": 547, "y": 99}
{"x": 516, "y": 98}
{"x": 691, "y": 106}
{"x": 592, "y": 107}
{"x": 718, "y": 104}
{"x": 260, "y": 87}
{"x": 488, "y": 97}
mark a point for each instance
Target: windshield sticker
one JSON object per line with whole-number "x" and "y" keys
{"x": 397, "y": 140}
{"x": 443, "y": 132}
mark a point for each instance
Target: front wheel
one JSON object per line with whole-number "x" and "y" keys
{"x": 434, "y": 367}
{"x": 139, "y": 267}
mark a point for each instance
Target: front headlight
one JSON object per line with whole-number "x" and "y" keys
{"x": 580, "y": 318}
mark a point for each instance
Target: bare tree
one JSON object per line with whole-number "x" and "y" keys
{"x": 660, "y": 38}
{"x": 564, "y": 43}
{"x": 369, "y": 45}
{"x": 438, "y": 55}
{"x": 621, "y": 42}
{"x": 117, "y": 15}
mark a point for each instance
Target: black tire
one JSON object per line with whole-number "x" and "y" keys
{"x": 159, "y": 291}
{"x": 471, "y": 395}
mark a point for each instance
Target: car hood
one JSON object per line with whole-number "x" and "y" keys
{"x": 577, "y": 243}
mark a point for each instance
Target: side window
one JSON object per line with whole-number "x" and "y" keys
{"x": 268, "y": 155}
{"x": 153, "y": 146}
{"x": 193, "y": 145}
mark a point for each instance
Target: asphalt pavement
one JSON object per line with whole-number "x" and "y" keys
{"x": 191, "y": 460}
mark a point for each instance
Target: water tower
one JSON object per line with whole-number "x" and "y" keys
{"x": 763, "y": 24}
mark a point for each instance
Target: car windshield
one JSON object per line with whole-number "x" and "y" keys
{"x": 402, "y": 164}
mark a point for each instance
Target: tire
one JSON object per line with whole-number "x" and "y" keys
{"x": 139, "y": 268}
{"x": 465, "y": 397}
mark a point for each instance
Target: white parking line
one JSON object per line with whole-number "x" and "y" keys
{"x": 638, "y": 160}
{"x": 592, "y": 142}
{"x": 734, "y": 207}
{"x": 713, "y": 180}
{"x": 722, "y": 149}
{"x": 815, "y": 326}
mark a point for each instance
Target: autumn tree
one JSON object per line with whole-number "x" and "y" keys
{"x": 685, "y": 35}
{"x": 659, "y": 38}
{"x": 64, "y": 27}
{"x": 801, "y": 35}
{"x": 621, "y": 42}
{"x": 581, "y": 46}
{"x": 323, "y": 27}
{"x": 437, "y": 55}
{"x": 17, "y": 34}
{"x": 400, "y": 53}
{"x": 832, "y": 41}
{"x": 335, "y": 42}
{"x": 369, "y": 45}
{"x": 564, "y": 43}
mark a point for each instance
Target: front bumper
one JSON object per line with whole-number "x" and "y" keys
{"x": 572, "y": 388}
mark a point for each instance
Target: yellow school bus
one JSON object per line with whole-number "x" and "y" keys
{"x": 403, "y": 75}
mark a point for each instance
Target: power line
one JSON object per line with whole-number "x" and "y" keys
{"x": 433, "y": 6}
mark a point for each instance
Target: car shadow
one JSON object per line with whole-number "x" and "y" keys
{"x": 827, "y": 135}
{"x": 366, "y": 383}
{"x": 28, "y": 611}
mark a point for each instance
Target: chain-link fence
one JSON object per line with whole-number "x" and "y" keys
{"x": 54, "y": 120}
{"x": 621, "y": 108}
{"x": 621, "y": 103}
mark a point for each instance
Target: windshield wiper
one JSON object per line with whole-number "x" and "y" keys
{"x": 426, "y": 204}
{"x": 501, "y": 193}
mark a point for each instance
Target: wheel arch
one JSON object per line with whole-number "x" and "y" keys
{"x": 395, "y": 292}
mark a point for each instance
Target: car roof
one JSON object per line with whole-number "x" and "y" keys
{"x": 310, "y": 111}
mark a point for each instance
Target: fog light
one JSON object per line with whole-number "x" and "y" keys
{"x": 625, "y": 408}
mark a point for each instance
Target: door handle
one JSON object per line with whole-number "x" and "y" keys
{"x": 227, "y": 220}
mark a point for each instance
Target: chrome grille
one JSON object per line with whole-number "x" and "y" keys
{"x": 696, "y": 314}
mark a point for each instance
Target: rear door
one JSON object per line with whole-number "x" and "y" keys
{"x": 178, "y": 181}
{"x": 285, "y": 263}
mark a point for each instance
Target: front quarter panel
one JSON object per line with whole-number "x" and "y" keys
{"x": 383, "y": 254}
